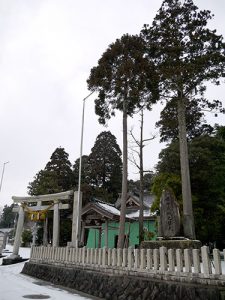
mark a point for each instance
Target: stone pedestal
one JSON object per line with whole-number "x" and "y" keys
{"x": 172, "y": 244}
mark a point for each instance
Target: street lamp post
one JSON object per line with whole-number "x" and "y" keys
{"x": 3, "y": 170}
{"x": 79, "y": 204}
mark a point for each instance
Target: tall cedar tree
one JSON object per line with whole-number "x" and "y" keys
{"x": 56, "y": 177}
{"x": 106, "y": 164}
{"x": 186, "y": 54}
{"x": 124, "y": 81}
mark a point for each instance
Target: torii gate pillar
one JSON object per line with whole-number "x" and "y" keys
{"x": 55, "y": 239}
{"x": 19, "y": 230}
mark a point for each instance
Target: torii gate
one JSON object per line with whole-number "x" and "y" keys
{"x": 56, "y": 206}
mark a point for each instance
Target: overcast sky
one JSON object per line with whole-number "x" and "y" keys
{"x": 47, "y": 48}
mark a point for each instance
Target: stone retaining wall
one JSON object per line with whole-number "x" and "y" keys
{"x": 127, "y": 285}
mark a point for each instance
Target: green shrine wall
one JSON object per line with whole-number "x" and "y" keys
{"x": 131, "y": 229}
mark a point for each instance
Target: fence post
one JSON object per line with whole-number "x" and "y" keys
{"x": 217, "y": 261}
{"x": 42, "y": 252}
{"x": 99, "y": 256}
{"x": 38, "y": 252}
{"x": 114, "y": 257}
{"x": 53, "y": 258}
{"x": 187, "y": 260}
{"x": 156, "y": 259}
{"x": 64, "y": 254}
{"x": 143, "y": 259}
{"x": 92, "y": 256}
{"x": 95, "y": 256}
{"x": 59, "y": 253}
{"x": 77, "y": 255}
{"x": 196, "y": 260}
{"x": 119, "y": 257}
{"x": 55, "y": 254}
{"x": 88, "y": 256}
{"x": 179, "y": 260}
{"x": 73, "y": 255}
{"x": 171, "y": 260}
{"x": 67, "y": 255}
{"x": 136, "y": 259}
{"x": 49, "y": 253}
{"x": 70, "y": 255}
{"x": 83, "y": 255}
{"x": 207, "y": 268}
{"x": 130, "y": 258}
{"x": 109, "y": 261}
{"x": 104, "y": 256}
{"x": 149, "y": 259}
{"x": 124, "y": 260}
{"x": 163, "y": 258}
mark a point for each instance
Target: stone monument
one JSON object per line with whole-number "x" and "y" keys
{"x": 169, "y": 215}
{"x": 169, "y": 226}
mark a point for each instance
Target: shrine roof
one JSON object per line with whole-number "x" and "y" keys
{"x": 109, "y": 208}
{"x": 148, "y": 200}
{"x": 146, "y": 214}
{"x": 105, "y": 209}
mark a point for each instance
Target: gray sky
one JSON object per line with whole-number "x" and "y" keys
{"x": 47, "y": 49}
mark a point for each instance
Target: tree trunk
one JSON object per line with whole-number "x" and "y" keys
{"x": 188, "y": 219}
{"x": 141, "y": 221}
{"x": 124, "y": 181}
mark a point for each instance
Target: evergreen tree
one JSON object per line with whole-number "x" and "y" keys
{"x": 7, "y": 217}
{"x": 56, "y": 177}
{"x": 85, "y": 170}
{"x": 123, "y": 79}
{"x": 195, "y": 123}
{"x": 186, "y": 54}
{"x": 134, "y": 185}
{"x": 106, "y": 164}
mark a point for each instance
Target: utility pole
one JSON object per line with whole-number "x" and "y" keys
{"x": 3, "y": 170}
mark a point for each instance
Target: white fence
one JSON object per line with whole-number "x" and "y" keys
{"x": 195, "y": 261}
